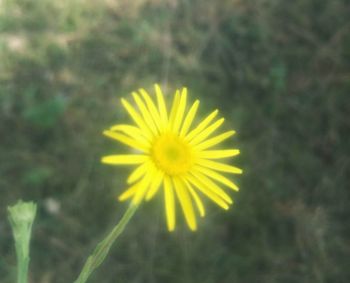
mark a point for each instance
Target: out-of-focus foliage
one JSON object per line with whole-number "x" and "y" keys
{"x": 278, "y": 70}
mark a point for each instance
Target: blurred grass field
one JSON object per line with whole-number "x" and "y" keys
{"x": 279, "y": 71}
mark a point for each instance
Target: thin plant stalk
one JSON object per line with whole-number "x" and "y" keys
{"x": 22, "y": 270}
{"x": 102, "y": 249}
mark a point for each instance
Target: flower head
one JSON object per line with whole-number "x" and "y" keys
{"x": 21, "y": 216}
{"x": 173, "y": 155}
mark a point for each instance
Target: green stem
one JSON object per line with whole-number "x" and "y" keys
{"x": 102, "y": 249}
{"x": 22, "y": 270}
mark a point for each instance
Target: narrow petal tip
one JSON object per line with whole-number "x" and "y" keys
{"x": 193, "y": 228}
{"x": 171, "y": 229}
{"x": 226, "y": 207}
{"x": 122, "y": 198}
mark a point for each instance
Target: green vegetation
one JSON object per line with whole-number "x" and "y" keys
{"x": 279, "y": 71}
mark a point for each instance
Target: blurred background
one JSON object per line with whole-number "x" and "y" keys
{"x": 279, "y": 71}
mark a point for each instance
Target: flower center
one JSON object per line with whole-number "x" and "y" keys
{"x": 171, "y": 154}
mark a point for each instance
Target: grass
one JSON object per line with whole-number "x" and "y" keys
{"x": 278, "y": 72}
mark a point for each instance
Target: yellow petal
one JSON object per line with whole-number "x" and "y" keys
{"x": 206, "y": 132}
{"x": 161, "y": 106}
{"x": 189, "y": 118}
{"x": 137, "y": 173}
{"x": 209, "y": 184}
{"x": 128, "y": 193}
{"x": 186, "y": 204}
{"x": 217, "y": 154}
{"x": 169, "y": 203}
{"x": 126, "y": 140}
{"x": 201, "y": 125}
{"x": 174, "y": 108}
{"x": 155, "y": 184}
{"x": 137, "y": 118}
{"x": 218, "y": 177}
{"x": 180, "y": 111}
{"x": 219, "y": 166}
{"x": 214, "y": 141}
{"x": 153, "y": 110}
{"x": 142, "y": 189}
{"x": 125, "y": 159}
{"x": 197, "y": 199}
{"x": 214, "y": 197}
{"x": 145, "y": 113}
{"x": 133, "y": 132}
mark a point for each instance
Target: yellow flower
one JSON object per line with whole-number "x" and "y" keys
{"x": 173, "y": 155}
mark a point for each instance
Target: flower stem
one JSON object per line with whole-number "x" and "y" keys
{"x": 102, "y": 249}
{"x": 22, "y": 270}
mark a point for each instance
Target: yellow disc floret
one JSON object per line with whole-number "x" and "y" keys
{"x": 171, "y": 154}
